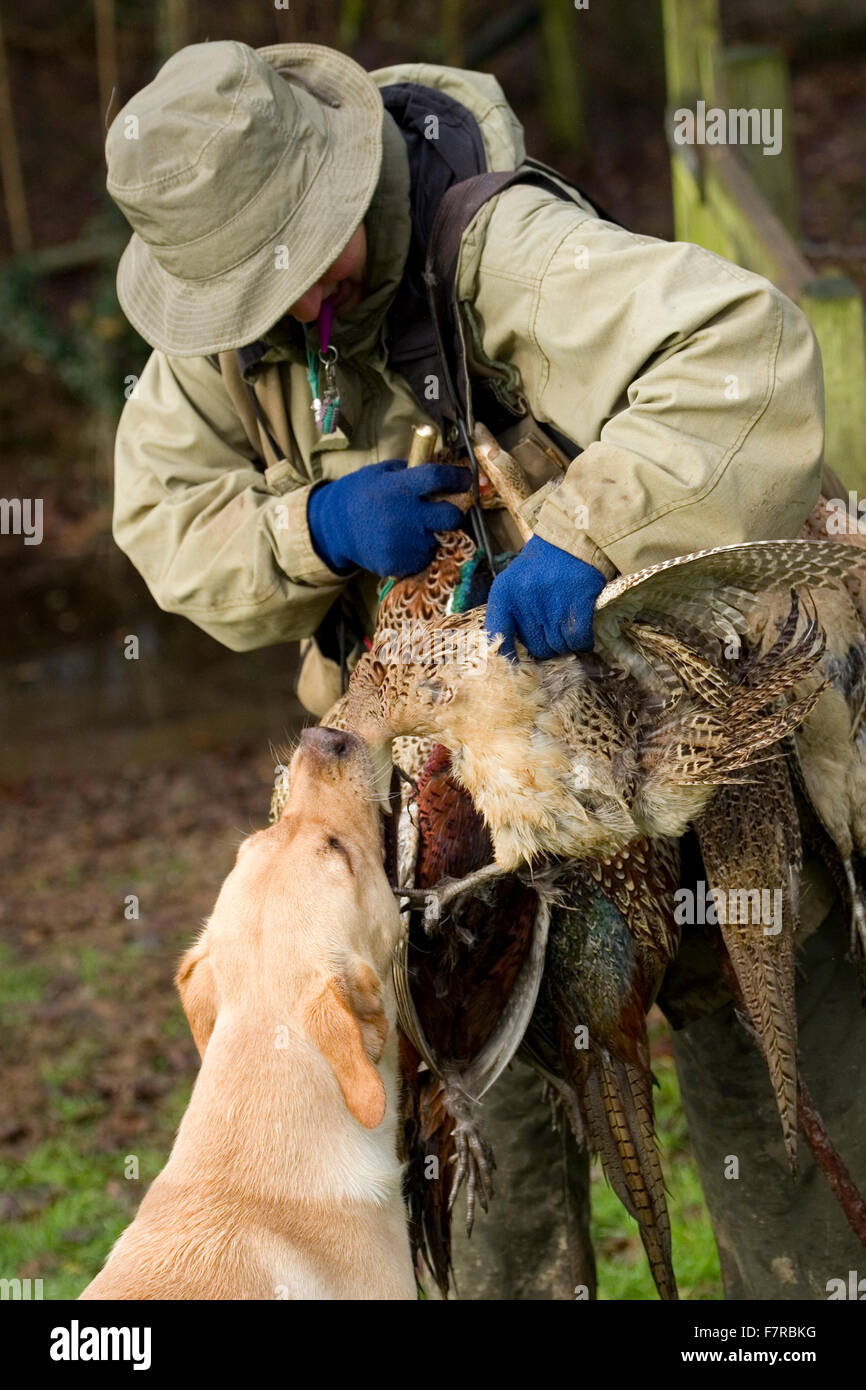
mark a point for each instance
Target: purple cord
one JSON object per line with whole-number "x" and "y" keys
{"x": 326, "y": 319}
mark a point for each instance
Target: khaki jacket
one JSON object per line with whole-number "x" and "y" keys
{"x": 692, "y": 386}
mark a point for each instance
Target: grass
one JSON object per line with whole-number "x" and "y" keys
{"x": 68, "y": 1203}
{"x": 86, "y": 1023}
{"x": 67, "y": 1198}
{"x": 22, "y": 983}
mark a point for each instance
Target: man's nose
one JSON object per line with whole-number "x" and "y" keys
{"x": 307, "y": 307}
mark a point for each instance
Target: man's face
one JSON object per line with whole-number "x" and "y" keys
{"x": 344, "y": 279}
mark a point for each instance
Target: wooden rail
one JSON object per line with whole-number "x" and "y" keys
{"x": 743, "y": 204}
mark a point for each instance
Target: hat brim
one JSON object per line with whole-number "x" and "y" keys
{"x": 195, "y": 318}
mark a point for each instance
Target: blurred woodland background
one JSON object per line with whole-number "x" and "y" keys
{"x": 127, "y": 784}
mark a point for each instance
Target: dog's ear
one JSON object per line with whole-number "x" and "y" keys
{"x": 197, "y": 988}
{"x": 347, "y": 1023}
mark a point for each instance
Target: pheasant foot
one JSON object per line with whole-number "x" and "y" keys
{"x": 473, "y": 1156}
{"x": 447, "y": 890}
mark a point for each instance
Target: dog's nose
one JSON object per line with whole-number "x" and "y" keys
{"x": 333, "y": 743}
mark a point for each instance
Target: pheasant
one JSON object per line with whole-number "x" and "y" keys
{"x": 469, "y": 995}
{"x": 609, "y": 933}
{"x": 828, "y": 754}
{"x": 591, "y": 751}
{"x": 466, "y": 997}
{"x": 663, "y": 722}
{"x": 752, "y": 833}
{"x": 612, "y": 935}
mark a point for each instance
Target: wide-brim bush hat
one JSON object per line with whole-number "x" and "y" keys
{"x": 243, "y": 173}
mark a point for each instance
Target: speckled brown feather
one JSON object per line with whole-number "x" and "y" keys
{"x": 750, "y": 839}
{"x": 460, "y": 978}
{"x": 613, "y": 934}
{"x": 829, "y": 749}
{"x": 422, "y": 597}
{"x": 622, "y": 1094}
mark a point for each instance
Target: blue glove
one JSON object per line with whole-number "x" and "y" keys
{"x": 381, "y": 518}
{"x": 546, "y": 598}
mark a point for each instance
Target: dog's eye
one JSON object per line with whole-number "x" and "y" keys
{"x": 334, "y": 846}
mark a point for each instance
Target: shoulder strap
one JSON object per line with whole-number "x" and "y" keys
{"x": 458, "y": 208}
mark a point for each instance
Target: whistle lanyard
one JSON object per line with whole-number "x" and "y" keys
{"x": 322, "y": 373}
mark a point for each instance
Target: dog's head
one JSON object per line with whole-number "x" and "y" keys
{"x": 303, "y": 929}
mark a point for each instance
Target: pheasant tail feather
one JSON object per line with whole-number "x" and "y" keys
{"x": 619, "y": 1098}
{"x": 741, "y": 858}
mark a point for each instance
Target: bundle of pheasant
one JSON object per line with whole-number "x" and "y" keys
{"x": 539, "y": 817}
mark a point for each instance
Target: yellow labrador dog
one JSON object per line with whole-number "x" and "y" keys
{"x": 284, "y": 1181}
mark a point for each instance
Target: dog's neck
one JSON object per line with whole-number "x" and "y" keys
{"x": 268, "y": 1120}
{"x": 273, "y": 1189}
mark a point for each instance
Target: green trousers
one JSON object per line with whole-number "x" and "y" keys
{"x": 777, "y": 1238}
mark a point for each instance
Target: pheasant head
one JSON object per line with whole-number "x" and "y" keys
{"x": 425, "y": 679}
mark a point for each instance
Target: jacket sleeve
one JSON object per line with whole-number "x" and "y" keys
{"x": 692, "y": 386}
{"x": 198, "y": 520}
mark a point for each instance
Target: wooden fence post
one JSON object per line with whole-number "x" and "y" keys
{"x": 743, "y": 204}
{"x": 106, "y": 53}
{"x": 10, "y": 162}
{"x": 691, "y": 34}
{"x": 756, "y": 78}
{"x": 172, "y": 27}
{"x": 562, "y": 88}
{"x": 835, "y": 309}
{"x": 691, "y": 40}
{"x": 349, "y": 24}
{"x": 451, "y": 32}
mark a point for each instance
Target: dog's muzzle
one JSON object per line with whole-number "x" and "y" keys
{"x": 336, "y": 746}
{"x": 331, "y": 743}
